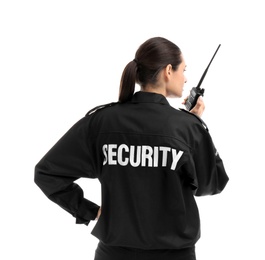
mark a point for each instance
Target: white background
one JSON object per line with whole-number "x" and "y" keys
{"x": 58, "y": 59}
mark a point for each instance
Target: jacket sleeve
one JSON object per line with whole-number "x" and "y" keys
{"x": 69, "y": 159}
{"x": 210, "y": 174}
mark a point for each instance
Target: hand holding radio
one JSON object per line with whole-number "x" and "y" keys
{"x": 199, "y": 107}
{"x": 196, "y": 92}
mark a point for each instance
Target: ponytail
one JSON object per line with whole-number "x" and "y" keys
{"x": 127, "y": 84}
{"x": 151, "y": 57}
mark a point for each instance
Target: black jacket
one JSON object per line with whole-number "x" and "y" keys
{"x": 150, "y": 159}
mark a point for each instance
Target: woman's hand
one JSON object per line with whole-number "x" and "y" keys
{"x": 99, "y": 213}
{"x": 198, "y": 108}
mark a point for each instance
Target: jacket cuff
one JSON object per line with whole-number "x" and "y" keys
{"x": 87, "y": 211}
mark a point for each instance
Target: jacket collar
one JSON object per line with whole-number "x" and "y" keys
{"x": 149, "y": 97}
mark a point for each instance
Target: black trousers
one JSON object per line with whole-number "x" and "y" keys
{"x": 104, "y": 252}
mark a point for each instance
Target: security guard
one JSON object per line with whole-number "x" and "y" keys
{"x": 150, "y": 158}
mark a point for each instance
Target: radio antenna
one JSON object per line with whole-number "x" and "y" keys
{"x": 203, "y": 75}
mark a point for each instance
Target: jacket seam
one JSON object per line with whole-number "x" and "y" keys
{"x": 150, "y": 134}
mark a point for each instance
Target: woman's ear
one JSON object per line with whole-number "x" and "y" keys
{"x": 168, "y": 71}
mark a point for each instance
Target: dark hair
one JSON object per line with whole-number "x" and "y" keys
{"x": 150, "y": 58}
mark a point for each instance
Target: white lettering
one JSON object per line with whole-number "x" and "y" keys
{"x": 112, "y": 154}
{"x": 105, "y": 148}
{"x": 175, "y": 157}
{"x": 120, "y": 155}
{"x": 133, "y": 162}
{"x": 155, "y": 156}
{"x": 144, "y": 156}
{"x": 164, "y": 150}
{"x": 147, "y": 152}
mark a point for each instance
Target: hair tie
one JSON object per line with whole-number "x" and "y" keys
{"x": 136, "y": 61}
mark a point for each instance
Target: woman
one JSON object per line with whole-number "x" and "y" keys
{"x": 150, "y": 159}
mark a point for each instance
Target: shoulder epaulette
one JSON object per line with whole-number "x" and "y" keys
{"x": 100, "y": 107}
{"x": 202, "y": 122}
